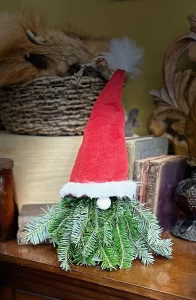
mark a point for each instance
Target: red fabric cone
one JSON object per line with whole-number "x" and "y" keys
{"x": 101, "y": 166}
{"x": 102, "y": 156}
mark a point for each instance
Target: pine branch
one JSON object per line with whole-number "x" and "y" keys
{"x": 80, "y": 220}
{"x": 140, "y": 248}
{"x": 87, "y": 235}
{"x": 56, "y": 227}
{"x": 108, "y": 258}
{"x": 105, "y": 223}
{"x": 107, "y": 233}
{"x": 36, "y": 231}
{"x": 149, "y": 228}
{"x": 91, "y": 237}
{"x": 64, "y": 249}
{"x": 122, "y": 243}
{"x": 142, "y": 251}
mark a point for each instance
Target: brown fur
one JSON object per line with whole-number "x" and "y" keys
{"x": 22, "y": 36}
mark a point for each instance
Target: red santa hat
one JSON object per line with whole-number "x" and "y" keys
{"x": 101, "y": 166}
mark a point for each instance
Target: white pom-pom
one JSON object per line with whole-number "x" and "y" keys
{"x": 104, "y": 203}
{"x": 123, "y": 54}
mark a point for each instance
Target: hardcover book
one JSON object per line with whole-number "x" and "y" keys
{"x": 144, "y": 147}
{"x": 140, "y": 174}
{"x": 163, "y": 176}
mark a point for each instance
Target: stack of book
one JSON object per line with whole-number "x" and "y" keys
{"x": 156, "y": 172}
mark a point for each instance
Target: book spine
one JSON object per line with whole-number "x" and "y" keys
{"x": 140, "y": 175}
{"x": 138, "y": 178}
{"x": 144, "y": 180}
{"x": 137, "y": 171}
{"x": 131, "y": 158}
{"x": 152, "y": 185}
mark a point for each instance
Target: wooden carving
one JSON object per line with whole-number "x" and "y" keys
{"x": 190, "y": 134}
{"x": 173, "y": 103}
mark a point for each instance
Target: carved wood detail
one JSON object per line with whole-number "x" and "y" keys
{"x": 173, "y": 102}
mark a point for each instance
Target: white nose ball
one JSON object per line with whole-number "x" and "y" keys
{"x": 103, "y": 203}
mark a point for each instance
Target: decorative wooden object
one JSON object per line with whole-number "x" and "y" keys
{"x": 173, "y": 103}
{"x": 190, "y": 134}
{"x": 33, "y": 273}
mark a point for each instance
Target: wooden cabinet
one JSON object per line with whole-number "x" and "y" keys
{"x": 14, "y": 294}
{"x": 22, "y": 295}
{"x": 33, "y": 273}
{"x": 10, "y": 293}
{"x": 24, "y": 283}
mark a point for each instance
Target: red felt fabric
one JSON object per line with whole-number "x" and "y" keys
{"x": 102, "y": 156}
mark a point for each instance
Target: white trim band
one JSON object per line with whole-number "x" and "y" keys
{"x": 99, "y": 190}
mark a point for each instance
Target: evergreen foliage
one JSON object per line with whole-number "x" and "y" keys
{"x": 86, "y": 235}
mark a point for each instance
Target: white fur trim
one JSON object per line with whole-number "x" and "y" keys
{"x": 123, "y": 54}
{"x": 97, "y": 190}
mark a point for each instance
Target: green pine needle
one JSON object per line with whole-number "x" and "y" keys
{"x": 150, "y": 230}
{"x": 108, "y": 258}
{"x": 86, "y": 235}
{"x": 80, "y": 220}
{"x": 37, "y": 230}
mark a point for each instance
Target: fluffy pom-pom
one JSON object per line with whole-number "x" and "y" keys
{"x": 104, "y": 203}
{"x": 123, "y": 54}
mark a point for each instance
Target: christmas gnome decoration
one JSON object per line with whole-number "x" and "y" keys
{"x": 98, "y": 220}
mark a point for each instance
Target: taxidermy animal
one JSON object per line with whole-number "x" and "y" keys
{"x": 29, "y": 49}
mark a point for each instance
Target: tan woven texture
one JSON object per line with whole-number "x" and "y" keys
{"x": 51, "y": 106}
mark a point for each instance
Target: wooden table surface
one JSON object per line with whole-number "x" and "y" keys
{"x": 165, "y": 279}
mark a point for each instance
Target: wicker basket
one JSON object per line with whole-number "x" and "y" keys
{"x": 51, "y": 106}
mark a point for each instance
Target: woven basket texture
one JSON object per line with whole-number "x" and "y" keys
{"x": 50, "y": 106}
